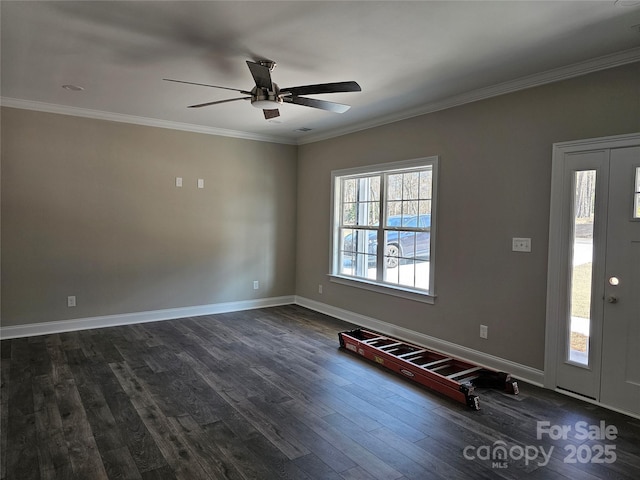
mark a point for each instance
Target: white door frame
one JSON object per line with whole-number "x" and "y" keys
{"x": 559, "y": 244}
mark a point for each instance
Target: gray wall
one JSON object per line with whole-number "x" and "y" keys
{"x": 90, "y": 208}
{"x": 495, "y": 177}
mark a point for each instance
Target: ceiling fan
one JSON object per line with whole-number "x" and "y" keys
{"x": 267, "y": 95}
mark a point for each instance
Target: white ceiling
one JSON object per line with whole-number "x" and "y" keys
{"x": 409, "y": 57}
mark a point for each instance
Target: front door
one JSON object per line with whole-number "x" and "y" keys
{"x": 593, "y": 309}
{"x": 620, "y": 382}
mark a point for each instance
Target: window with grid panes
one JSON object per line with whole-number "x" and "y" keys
{"x": 383, "y": 227}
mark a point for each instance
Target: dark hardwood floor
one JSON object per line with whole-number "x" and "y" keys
{"x": 267, "y": 394}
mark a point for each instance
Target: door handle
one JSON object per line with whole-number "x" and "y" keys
{"x": 612, "y": 299}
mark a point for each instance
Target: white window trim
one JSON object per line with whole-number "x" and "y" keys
{"x": 387, "y": 289}
{"x": 379, "y": 287}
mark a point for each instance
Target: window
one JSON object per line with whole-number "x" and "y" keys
{"x": 581, "y": 266}
{"x": 383, "y": 227}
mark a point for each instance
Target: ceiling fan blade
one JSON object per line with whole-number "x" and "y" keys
{"x": 323, "y": 88}
{"x": 271, "y": 113}
{"x": 217, "y": 102}
{"x": 205, "y": 85}
{"x": 321, "y": 104}
{"x": 261, "y": 75}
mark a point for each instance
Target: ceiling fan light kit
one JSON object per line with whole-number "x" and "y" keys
{"x": 266, "y": 94}
{"x": 264, "y": 99}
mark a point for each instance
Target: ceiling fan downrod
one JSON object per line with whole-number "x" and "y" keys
{"x": 270, "y": 64}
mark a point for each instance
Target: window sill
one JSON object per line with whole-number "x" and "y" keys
{"x": 384, "y": 289}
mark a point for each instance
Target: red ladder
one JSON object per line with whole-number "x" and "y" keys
{"x": 450, "y": 376}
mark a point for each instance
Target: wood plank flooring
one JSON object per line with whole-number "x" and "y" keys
{"x": 267, "y": 394}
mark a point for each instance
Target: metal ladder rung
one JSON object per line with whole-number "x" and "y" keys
{"x": 375, "y": 339}
{"x": 391, "y": 345}
{"x": 410, "y": 354}
{"x": 463, "y": 373}
{"x": 437, "y": 362}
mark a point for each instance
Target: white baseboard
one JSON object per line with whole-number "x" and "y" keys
{"x": 61, "y": 326}
{"x": 517, "y": 370}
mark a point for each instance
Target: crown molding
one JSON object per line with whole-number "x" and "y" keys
{"x": 550, "y": 76}
{"x": 132, "y": 119}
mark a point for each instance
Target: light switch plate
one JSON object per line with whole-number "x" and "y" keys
{"x": 178, "y": 181}
{"x": 201, "y": 183}
{"x": 484, "y": 331}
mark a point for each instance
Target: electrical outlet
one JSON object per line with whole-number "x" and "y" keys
{"x": 71, "y": 301}
{"x": 256, "y": 284}
{"x": 178, "y": 181}
{"x": 484, "y": 331}
{"x": 521, "y": 244}
{"x": 320, "y": 289}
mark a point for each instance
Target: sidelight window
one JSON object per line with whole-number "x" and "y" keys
{"x": 636, "y": 195}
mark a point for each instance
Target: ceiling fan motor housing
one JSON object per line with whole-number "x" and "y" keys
{"x": 264, "y": 98}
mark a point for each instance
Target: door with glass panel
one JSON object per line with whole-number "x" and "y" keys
{"x": 594, "y": 311}
{"x": 580, "y": 332}
{"x": 620, "y": 384}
